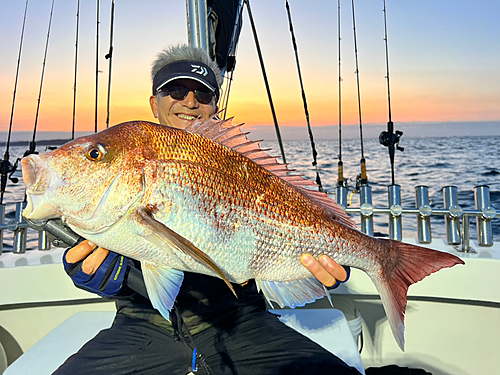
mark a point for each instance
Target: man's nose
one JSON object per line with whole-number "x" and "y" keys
{"x": 190, "y": 101}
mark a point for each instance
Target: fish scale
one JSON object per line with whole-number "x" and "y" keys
{"x": 208, "y": 200}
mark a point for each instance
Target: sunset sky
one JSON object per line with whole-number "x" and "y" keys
{"x": 444, "y": 59}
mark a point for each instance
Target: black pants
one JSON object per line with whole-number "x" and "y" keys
{"x": 257, "y": 343}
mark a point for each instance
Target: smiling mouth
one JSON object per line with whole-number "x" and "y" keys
{"x": 186, "y": 117}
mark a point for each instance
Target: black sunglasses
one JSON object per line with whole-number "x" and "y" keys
{"x": 180, "y": 93}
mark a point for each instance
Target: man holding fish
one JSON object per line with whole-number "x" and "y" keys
{"x": 210, "y": 331}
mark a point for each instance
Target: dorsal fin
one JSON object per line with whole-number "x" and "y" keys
{"x": 230, "y": 135}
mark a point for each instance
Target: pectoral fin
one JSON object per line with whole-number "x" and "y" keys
{"x": 163, "y": 285}
{"x": 167, "y": 236}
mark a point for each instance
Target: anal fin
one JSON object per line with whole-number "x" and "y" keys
{"x": 292, "y": 293}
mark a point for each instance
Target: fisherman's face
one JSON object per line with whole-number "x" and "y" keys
{"x": 180, "y": 113}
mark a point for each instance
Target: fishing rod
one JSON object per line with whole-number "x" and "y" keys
{"x": 6, "y": 167}
{"x": 341, "y": 189}
{"x": 363, "y": 180}
{"x": 32, "y": 145}
{"x": 311, "y": 138}
{"x": 76, "y": 68}
{"x": 96, "y": 66}
{"x": 389, "y": 138}
{"x": 257, "y": 45}
{"x": 362, "y": 186}
{"x": 110, "y": 57}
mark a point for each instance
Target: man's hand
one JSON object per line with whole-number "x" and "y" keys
{"x": 84, "y": 251}
{"x": 325, "y": 269}
{"x": 95, "y": 269}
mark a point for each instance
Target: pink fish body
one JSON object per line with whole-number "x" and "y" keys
{"x": 208, "y": 200}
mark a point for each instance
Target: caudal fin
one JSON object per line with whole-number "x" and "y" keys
{"x": 408, "y": 265}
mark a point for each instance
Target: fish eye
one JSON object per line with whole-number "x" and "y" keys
{"x": 96, "y": 153}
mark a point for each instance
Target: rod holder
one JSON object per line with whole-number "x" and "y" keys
{"x": 366, "y": 209}
{"x": 424, "y": 233}
{"x": 483, "y": 222}
{"x": 43, "y": 240}
{"x": 19, "y": 245}
{"x": 452, "y": 220}
{"x": 341, "y": 196}
{"x": 395, "y": 224}
{"x": 466, "y": 235}
{"x": 2, "y": 221}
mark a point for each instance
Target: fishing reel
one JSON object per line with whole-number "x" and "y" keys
{"x": 9, "y": 169}
{"x": 391, "y": 139}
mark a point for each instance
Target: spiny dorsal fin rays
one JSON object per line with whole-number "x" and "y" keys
{"x": 229, "y": 135}
{"x": 177, "y": 241}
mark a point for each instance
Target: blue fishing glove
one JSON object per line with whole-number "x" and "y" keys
{"x": 348, "y": 270}
{"x": 106, "y": 281}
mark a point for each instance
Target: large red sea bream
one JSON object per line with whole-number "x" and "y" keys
{"x": 208, "y": 200}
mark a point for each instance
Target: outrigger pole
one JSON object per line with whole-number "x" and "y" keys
{"x": 311, "y": 138}
{"x": 7, "y": 167}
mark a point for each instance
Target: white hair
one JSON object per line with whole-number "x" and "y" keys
{"x": 183, "y": 52}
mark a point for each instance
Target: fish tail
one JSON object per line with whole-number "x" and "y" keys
{"x": 408, "y": 265}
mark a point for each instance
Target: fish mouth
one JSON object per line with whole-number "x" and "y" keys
{"x": 39, "y": 181}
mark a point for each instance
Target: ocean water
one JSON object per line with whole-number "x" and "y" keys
{"x": 464, "y": 162}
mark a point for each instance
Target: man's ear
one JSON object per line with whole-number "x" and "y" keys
{"x": 154, "y": 105}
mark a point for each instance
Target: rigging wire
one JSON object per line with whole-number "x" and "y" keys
{"x": 364, "y": 178}
{"x": 389, "y": 138}
{"x": 340, "y": 180}
{"x": 231, "y": 64}
{"x": 311, "y": 138}
{"x": 7, "y": 167}
{"x": 76, "y": 68}
{"x": 96, "y": 66}
{"x": 257, "y": 45}
{"x": 32, "y": 145}
{"x": 225, "y": 98}
{"x": 110, "y": 57}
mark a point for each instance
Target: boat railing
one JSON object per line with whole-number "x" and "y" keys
{"x": 457, "y": 220}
